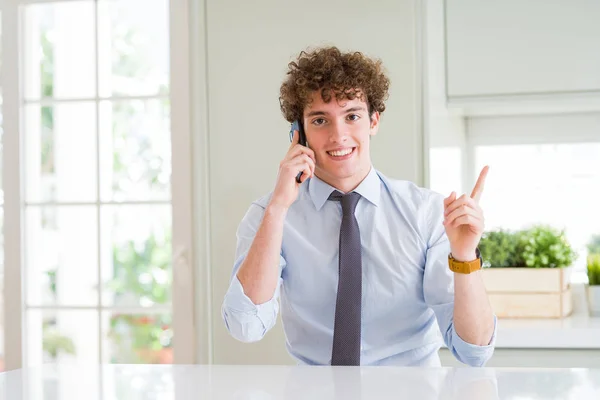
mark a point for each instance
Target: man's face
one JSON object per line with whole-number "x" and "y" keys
{"x": 339, "y": 134}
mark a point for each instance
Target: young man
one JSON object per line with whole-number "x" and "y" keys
{"x": 361, "y": 262}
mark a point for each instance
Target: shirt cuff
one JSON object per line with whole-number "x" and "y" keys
{"x": 237, "y": 301}
{"x": 472, "y": 354}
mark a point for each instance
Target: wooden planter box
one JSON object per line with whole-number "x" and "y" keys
{"x": 529, "y": 292}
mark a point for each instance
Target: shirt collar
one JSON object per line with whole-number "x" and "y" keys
{"x": 369, "y": 188}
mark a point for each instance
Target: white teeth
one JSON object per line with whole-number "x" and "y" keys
{"x": 339, "y": 153}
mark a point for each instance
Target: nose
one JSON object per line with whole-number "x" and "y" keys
{"x": 338, "y": 132}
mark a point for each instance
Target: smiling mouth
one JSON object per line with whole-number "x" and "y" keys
{"x": 341, "y": 153}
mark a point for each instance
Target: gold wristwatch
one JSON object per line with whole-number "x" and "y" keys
{"x": 465, "y": 267}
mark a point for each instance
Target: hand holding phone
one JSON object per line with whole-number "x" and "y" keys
{"x": 297, "y": 166}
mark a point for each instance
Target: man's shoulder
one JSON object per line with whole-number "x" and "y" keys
{"x": 408, "y": 190}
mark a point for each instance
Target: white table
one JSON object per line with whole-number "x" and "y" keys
{"x": 199, "y": 382}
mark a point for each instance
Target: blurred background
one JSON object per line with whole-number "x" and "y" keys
{"x": 136, "y": 133}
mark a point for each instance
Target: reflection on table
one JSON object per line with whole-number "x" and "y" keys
{"x": 62, "y": 382}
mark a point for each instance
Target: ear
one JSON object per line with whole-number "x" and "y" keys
{"x": 374, "y": 123}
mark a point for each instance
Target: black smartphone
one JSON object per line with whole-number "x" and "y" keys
{"x": 298, "y": 126}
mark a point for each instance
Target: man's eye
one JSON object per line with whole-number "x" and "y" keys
{"x": 319, "y": 121}
{"x": 353, "y": 117}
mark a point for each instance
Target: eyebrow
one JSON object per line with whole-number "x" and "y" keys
{"x": 351, "y": 109}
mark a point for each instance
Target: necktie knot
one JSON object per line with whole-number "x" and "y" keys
{"x": 349, "y": 201}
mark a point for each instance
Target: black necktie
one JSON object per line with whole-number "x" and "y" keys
{"x": 346, "y": 330}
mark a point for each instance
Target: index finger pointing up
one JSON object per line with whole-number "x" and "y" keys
{"x": 478, "y": 189}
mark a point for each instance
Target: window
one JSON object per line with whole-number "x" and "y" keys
{"x": 97, "y": 182}
{"x": 445, "y": 166}
{"x": 543, "y": 170}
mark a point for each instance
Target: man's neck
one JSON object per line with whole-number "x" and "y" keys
{"x": 349, "y": 184}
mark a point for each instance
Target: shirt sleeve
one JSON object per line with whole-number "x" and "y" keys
{"x": 438, "y": 289}
{"x": 246, "y": 321}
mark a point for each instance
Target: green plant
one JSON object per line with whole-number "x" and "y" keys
{"x": 540, "y": 246}
{"x": 140, "y": 269}
{"x": 593, "y": 269}
{"x": 593, "y": 246}
{"x": 54, "y": 343}
{"x": 545, "y": 247}
{"x": 499, "y": 249}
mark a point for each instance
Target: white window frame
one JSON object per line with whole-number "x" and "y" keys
{"x": 182, "y": 183}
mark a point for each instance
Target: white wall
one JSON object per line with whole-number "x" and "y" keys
{"x": 248, "y": 45}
